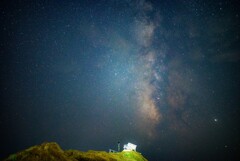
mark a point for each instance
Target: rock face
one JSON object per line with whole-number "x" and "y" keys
{"x": 53, "y": 152}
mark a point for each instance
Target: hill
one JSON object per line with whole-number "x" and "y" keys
{"x": 53, "y": 152}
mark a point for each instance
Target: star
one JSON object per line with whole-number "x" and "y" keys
{"x": 154, "y": 73}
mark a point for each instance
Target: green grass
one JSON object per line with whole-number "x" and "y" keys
{"x": 104, "y": 156}
{"x": 53, "y": 152}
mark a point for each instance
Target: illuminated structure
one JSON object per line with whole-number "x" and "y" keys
{"x": 129, "y": 147}
{"x": 126, "y": 147}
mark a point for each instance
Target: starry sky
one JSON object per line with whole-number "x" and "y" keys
{"x": 86, "y": 74}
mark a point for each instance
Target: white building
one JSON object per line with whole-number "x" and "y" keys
{"x": 129, "y": 147}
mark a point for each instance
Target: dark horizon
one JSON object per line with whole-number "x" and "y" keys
{"x": 163, "y": 75}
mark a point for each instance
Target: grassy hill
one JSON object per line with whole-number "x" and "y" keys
{"x": 53, "y": 152}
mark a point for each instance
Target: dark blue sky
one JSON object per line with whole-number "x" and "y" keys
{"x": 161, "y": 74}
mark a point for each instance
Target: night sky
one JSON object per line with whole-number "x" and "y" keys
{"x": 86, "y": 74}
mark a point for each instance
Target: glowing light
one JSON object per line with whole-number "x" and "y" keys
{"x": 129, "y": 147}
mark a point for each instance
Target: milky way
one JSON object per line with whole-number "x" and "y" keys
{"x": 87, "y": 74}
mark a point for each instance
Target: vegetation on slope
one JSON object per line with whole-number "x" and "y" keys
{"x": 53, "y": 152}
